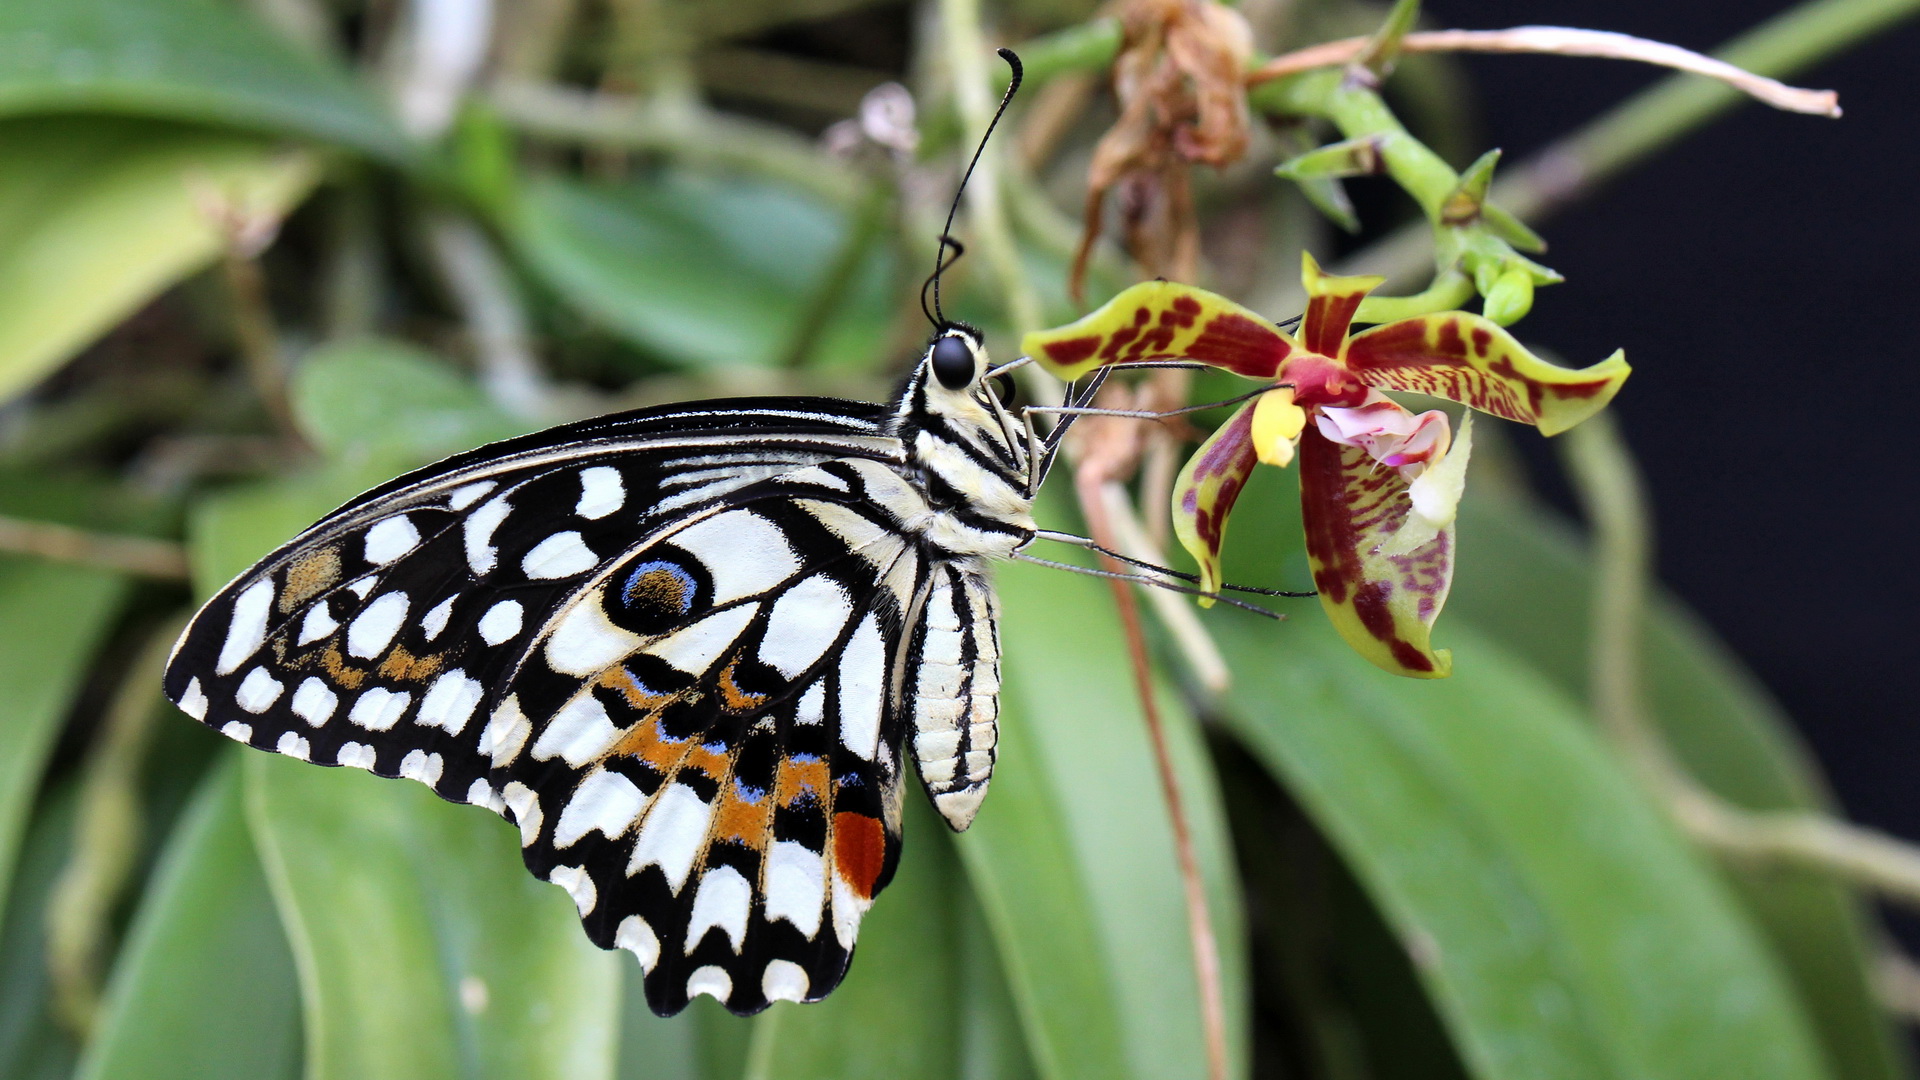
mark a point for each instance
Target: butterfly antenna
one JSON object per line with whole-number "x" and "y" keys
{"x": 941, "y": 260}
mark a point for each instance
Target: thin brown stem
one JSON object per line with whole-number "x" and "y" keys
{"x": 257, "y": 337}
{"x": 1088, "y": 483}
{"x": 138, "y": 555}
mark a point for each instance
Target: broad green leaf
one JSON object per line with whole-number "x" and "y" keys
{"x": 425, "y": 949}
{"x": 196, "y": 61}
{"x": 205, "y": 986}
{"x": 704, "y": 271}
{"x": 897, "y": 1015}
{"x": 1563, "y": 928}
{"x": 1072, "y": 855}
{"x": 33, "y": 1045}
{"x": 1523, "y": 578}
{"x": 99, "y": 215}
{"x": 355, "y": 396}
{"x": 52, "y": 617}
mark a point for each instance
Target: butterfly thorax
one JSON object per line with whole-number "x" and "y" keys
{"x": 966, "y": 459}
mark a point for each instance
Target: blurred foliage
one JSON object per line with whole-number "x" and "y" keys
{"x": 251, "y": 264}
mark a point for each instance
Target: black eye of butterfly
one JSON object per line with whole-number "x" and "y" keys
{"x": 952, "y": 363}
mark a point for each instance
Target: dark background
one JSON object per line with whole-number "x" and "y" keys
{"x": 1761, "y": 276}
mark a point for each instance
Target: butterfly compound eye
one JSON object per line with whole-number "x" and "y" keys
{"x": 952, "y": 363}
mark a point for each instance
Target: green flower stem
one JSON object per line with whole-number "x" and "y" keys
{"x": 1609, "y": 487}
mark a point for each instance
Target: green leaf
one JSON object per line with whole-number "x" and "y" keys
{"x": 97, "y": 216}
{"x": 897, "y": 1015}
{"x": 52, "y": 618}
{"x": 204, "y": 988}
{"x": 356, "y": 397}
{"x": 653, "y": 1047}
{"x": 1072, "y": 855}
{"x": 197, "y": 61}
{"x": 425, "y": 949}
{"x": 33, "y": 1046}
{"x": 1524, "y": 578}
{"x": 705, "y": 272}
{"x": 1562, "y": 927}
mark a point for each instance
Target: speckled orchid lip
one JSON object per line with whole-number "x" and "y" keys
{"x": 1378, "y": 483}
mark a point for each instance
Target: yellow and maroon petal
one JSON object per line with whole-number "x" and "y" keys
{"x": 1331, "y": 302}
{"x": 1383, "y": 605}
{"x": 1205, "y": 493}
{"x": 1465, "y": 358}
{"x": 1159, "y": 320}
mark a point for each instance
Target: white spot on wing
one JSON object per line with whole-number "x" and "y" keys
{"x": 247, "y": 630}
{"x": 502, "y": 621}
{"x": 464, "y": 497}
{"x": 863, "y": 674}
{"x": 374, "y": 628}
{"x": 525, "y": 804}
{"x": 477, "y": 533}
{"x": 318, "y": 623}
{"x": 784, "y": 980}
{"x": 481, "y": 793}
{"x": 193, "y": 701}
{"x": 673, "y": 834}
{"x": 258, "y": 691}
{"x": 606, "y": 801}
{"x": 722, "y": 901}
{"x": 237, "y": 731}
{"x": 580, "y": 733}
{"x": 293, "y": 745}
{"x": 744, "y": 553}
{"x": 584, "y": 641}
{"x": 601, "y": 492}
{"x": 847, "y": 910}
{"x": 813, "y": 705}
{"x": 436, "y": 619}
{"x": 378, "y": 709}
{"x": 579, "y": 885}
{"x": 507, "y": 731}
{"x": 803, "y": 624}
{"x": 637, "y": 937}
{"x": 357, "y": 755}
{"x": 391, "y": 538}
{"x": 363, "y": 586}
{"x": 695, "y": 648}
{"x": 313, "y": 702}
{"x": 710, "y": 980}
{"x": 563, "y": 554}
{"x": 796, "y": 883}
{"x": 450, "y": 702}
{"x": 422, "y": 766}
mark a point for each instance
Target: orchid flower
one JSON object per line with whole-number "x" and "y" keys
{"x": 1379, "y": 484}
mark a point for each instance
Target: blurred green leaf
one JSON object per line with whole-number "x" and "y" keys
{"x": 198, "y": 61}
{"x": 354, "y": 396}
{"x": 897, "y": 1015}
{"x": 707, "y": 272}
{"x": 425, "y": 949}
{"x": 52, "y": 618}
{"x": 33, "y": 1046}
{"x": 653, "y": 1047}
{"x": 1563, "y": 928}
{"x": 1524, "y": 578}
{"x": 205, "y": 987}
{"x": 97, "y": 216}
{"x": 1072, "y": 856}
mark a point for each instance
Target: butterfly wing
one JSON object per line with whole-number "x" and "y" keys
{"x": 483, "y": 625}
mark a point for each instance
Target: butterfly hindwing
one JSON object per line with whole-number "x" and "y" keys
{"x": 718, "y": 783}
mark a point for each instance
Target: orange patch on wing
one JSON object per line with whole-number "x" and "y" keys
{"x": 309, "y": 575}
{"x": 337, "y": 669}
{"x": 732, "y": 698}
{"x": 406, "y": 667}
{"x": 742, "y": 821}
{"x": 859, "y": 851}
{"x": 800, "y": 779}
{"x": 645, "y": 741}
{"x": 717, "y": 764}
{"x": 621, "y": 680}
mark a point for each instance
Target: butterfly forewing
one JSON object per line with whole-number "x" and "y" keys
{"x": 676, "y": 664}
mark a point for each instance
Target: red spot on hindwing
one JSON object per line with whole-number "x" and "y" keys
{"x": 859, "y": 851}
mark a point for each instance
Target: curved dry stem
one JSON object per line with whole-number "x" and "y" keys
{"x": 1562, "y": 41}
